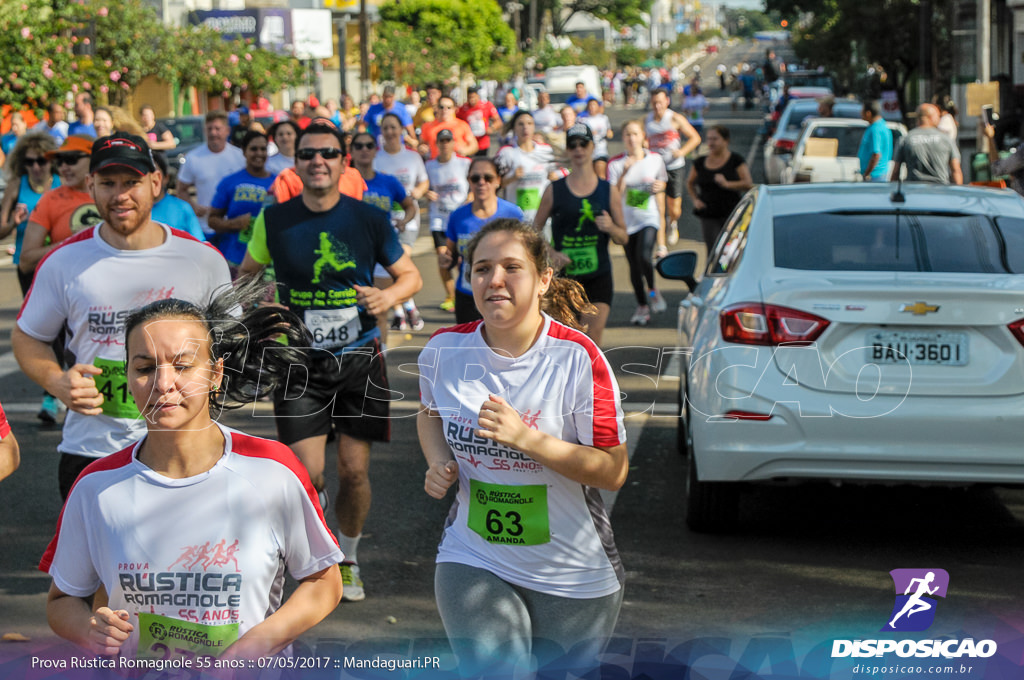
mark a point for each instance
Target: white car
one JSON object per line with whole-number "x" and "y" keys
{"x": 827, "y": 151}
{"x": 853, "y": 332}
{"x": 778, "y": 149}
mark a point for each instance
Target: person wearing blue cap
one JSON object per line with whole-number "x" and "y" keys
{"x": 239, "y": 130}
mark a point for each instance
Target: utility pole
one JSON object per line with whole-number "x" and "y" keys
{"x": 364, "y": 50}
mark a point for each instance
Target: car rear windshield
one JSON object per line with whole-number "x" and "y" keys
{"x": 900, "y": 242}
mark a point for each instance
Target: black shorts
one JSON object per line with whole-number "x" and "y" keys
{"x": 70, "y": 466}
{"x": 676, "y": 181}
{"x": 440, "y": 238}
{"x": 465, "y": 308}
{"x": 599, "y": 288}
{"x": 356, "y": 405}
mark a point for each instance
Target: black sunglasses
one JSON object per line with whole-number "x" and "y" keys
{"x": 327, "y": 153}
{"x": 473, "y": 179}
{"x": 577, "y": 144}
{"x": 40, "y": 161}
{"x": 359, "y": 146}
{"x": 69, "y": 158}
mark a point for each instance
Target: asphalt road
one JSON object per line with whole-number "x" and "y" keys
{"x": 808, "y": 564}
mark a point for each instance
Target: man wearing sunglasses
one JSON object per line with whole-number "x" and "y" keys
{"x": 465, "y": 142}
{"x": 324, "y": 246}
{"x": 90, "y": 283}
{"x": 64, "y": 211}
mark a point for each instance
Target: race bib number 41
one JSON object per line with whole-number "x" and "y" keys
{"x": 113, "y": 385}
{"x": 513, "y": 515}
{"x": 161, "y": 637}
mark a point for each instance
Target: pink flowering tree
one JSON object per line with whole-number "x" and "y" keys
{"x": 36, "y": 61}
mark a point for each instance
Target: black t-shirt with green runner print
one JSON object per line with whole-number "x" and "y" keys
{"x": 574, "y": 229}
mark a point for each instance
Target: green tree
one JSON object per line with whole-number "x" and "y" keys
{"x": 36, "y": 60}
{"x": 128, "y": 43}
{"x": 419, "y": 40}
{"x": 844, "y": 36}
{"x": 618, "y": 13}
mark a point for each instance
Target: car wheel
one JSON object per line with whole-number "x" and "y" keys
{"x": 711, "y": 507}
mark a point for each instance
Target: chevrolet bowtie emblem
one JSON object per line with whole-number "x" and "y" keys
{"x": 919, "y": 308}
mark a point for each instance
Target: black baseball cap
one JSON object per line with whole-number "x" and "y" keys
{"x": 122, "y": 150}
{"x": 445, "y": 135}
{"x": 579, "y": 131}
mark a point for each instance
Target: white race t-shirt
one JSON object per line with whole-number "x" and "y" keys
{"x": 639, "y": 207}
{"x": 546, "y": 119}
{"x": 664, "y": 139}
{"x": 599, "y": 125}
{"x": 512, "y": 516}
{"x": 279, "y": 162}
{"x": 205, "y": 169}
{"x": 92, "y": 287}
{"x": 407, "y": 166}
{"x": 526, "y": 191}
{"x": 450, "y": 182}
{"x": 209, "y": 549}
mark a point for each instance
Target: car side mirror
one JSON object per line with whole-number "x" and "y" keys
{"x": 679, "y": 266}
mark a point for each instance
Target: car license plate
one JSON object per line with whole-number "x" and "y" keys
{"x": 920, "y": 348}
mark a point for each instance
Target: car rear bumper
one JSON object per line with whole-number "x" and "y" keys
{"x": 931, "y": 440}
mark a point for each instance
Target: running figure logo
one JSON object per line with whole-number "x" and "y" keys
{"x": 914, "y": 610}
{"x": 331, "y": 253}
{"x": 587, "y": 213}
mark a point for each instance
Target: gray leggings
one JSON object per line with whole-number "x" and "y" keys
{"x": 494, "y": 626}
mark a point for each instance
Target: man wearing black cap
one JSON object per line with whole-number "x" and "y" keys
{"x": 90, "y": 283}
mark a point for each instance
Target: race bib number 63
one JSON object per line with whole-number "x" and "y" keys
{"x": 512, "y": 515}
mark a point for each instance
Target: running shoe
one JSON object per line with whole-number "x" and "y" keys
{"x": 49, "y": 410}
{"x": 661, "y": 252}
{"x": 657, "y": 303}
{"x": 352, "y": 585}
{"x": 672, "y": 235}
{"x": 399, "y": 324}
{"x": 641, "y": 317}
{"x": 415, "y": 320}
{"x": 448, "y": 305}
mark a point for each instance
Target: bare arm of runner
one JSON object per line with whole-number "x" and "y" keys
{"x": 33, "y": 247}
{"x": 442, "y": 468}
{"x": 221, "y": 225}
{"x": 317, "y": 596}
{"x": 10, "y": 455}
{"x": 407, "y": 283}
{"x": 692, "y": 137}
{"x": 183, "y": 190}
{"x": 411, "y": 209}
{"x": 250, "y": 266}
{"x": 613, "y": 224}
{"x": 101, "y": 632}
{"x": 11, "y": 214}
{"x": 75, "y": 386}
{"x": 604, "y": 468}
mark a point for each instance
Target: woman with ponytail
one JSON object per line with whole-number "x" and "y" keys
{"x": 196, "y": 498}
{"x": 527, "y": 564}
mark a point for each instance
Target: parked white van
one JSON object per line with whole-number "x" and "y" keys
{"x": 560, "y": 82}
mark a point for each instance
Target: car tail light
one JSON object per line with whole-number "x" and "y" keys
{"x": 1017, "y": 328}
{"x": 784, "y": 145}
{"x": 751, "y": 323}
{"x": 747, "y": 415}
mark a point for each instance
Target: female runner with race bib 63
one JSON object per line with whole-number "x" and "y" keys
{"x": 527, "y": 564}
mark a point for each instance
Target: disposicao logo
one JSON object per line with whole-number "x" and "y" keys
{"x": 916, "y": 590}
{"x": 914, "y": 610}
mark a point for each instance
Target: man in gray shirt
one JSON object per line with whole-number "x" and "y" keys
{"x": 927, "y": 152}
